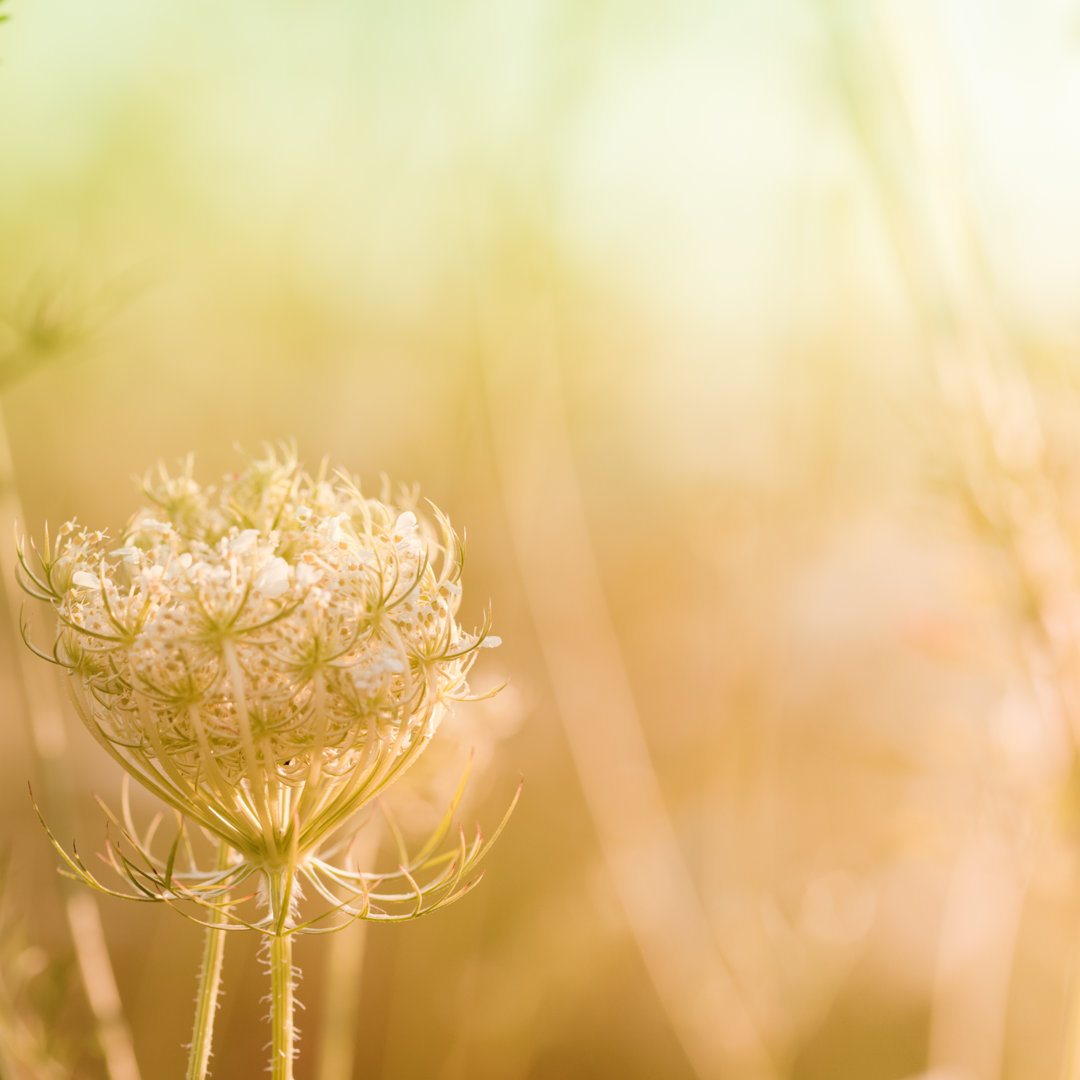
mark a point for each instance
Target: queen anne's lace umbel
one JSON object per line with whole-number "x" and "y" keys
{"x": 265, "y": 655}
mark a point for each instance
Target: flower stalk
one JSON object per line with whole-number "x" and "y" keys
{"x": 282, "y": 1006}
{"x": 265, "y": 657}
{"x": 209, "y": 988}
{"x": 281, "y": 885}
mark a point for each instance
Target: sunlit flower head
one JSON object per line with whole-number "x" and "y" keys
{"x": 264, "y": 655}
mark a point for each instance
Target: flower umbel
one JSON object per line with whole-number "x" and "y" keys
{"x": 266, "y": 657}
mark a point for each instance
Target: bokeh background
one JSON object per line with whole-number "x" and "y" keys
{"x": 741, "y": 338}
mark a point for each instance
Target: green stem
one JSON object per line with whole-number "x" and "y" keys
{"x": 281, "y": 980}
{"x": 281, "y": 1006}
{"x": 209, "y": 988}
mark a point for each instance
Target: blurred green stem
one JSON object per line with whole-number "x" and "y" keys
{"x": 209, "y": 988}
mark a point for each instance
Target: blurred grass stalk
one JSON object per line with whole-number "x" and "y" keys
{"x": 27, "y": 346}
{"x": 902, "y": 114}
{"x": 708, "y": 1011}
{"x": 26, "y": 1035}
{"x": 343, "y": 980}
{"x": 341, "y": 997}
{"x": 208, "y": 995}
{"x": 517, "y": 338}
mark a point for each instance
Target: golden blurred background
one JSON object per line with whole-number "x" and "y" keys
{"x": 741, "y": 338}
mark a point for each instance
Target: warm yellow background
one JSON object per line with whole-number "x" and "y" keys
{"x": 661, "y": 301}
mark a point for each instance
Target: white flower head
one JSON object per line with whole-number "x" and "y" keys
{"x": 265, "y": 655}
{"x": 83, "y": 579}
{"x": 273, "y": 578}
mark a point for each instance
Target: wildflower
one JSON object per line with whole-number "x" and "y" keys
{"x": 265, "y": 656}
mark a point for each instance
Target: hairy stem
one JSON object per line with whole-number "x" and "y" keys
{"x": 281, "y": 978}
{"x": 209, "y": 988}
{"x": 281, "y": 1006}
